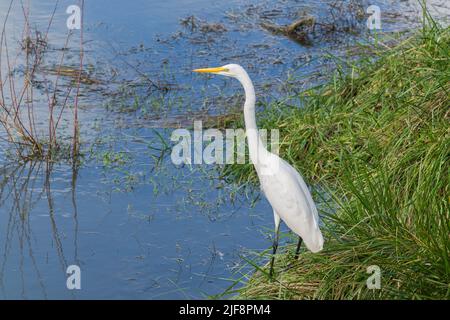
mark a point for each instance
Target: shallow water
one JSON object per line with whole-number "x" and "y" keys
{"x": 138, "y": 226}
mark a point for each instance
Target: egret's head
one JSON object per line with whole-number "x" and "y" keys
{"x": 229, "y": 70}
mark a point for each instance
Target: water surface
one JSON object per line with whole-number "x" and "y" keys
{"x": 138, "y": 226}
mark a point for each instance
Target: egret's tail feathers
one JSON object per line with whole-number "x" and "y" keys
{"x": 315, "y": 242}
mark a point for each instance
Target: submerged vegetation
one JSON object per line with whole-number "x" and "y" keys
{"x": 376, "y": 138}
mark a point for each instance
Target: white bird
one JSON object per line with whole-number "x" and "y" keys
{"x": 282, "y": 185}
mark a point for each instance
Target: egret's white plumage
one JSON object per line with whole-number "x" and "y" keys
{"x": 283, "y": 186}
{"x": 292, "y": 202}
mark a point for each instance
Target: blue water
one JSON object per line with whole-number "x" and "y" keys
{"x": 140, "y": 227}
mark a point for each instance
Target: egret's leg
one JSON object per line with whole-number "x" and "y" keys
{"x": 297, "y": 253}
{"x": 299, "y": 244}
{"x": 275, "y": 241}
{"x": 275, "y": 247}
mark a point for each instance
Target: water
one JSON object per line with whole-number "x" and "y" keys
{"x": 138, "y": 226}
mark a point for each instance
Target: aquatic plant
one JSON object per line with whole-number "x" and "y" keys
{"x": 24, "y": 80}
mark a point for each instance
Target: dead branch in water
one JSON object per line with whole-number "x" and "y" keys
{"x": 298, "y": 30}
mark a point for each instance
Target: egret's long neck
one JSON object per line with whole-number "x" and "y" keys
{"x": 254, "y": 142}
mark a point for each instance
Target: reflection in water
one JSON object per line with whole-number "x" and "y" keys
{"x": 15, "y": 184}
{"x": 22, "y": 188}
{"x": 56, "y": 236}
{"x": 180, "y": 241}
{"x": 75, "y": 210}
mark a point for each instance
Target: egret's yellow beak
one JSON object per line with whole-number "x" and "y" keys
{"x": 211, "y": 70}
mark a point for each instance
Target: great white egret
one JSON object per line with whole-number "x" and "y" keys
{"x": 282, "y": 185}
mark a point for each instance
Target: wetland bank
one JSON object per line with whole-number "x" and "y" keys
{"x": 141, "y": 228}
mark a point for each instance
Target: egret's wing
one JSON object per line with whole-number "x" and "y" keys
{"x": 301, "y": 183}
{"x": 291, "y": 199}
{"x": 280, "y": 181}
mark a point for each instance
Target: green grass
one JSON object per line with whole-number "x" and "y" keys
{"x": 376, "y": 138}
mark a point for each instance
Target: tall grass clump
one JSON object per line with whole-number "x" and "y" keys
{"x": 32, "y": 129}
{"x": 377, "y": 139}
